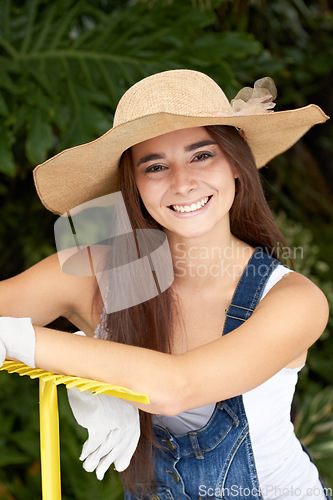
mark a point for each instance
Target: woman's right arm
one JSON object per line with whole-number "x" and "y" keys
{"x": 44, "y": 293}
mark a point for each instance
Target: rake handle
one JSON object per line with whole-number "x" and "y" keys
{"x": 49, "y": 440}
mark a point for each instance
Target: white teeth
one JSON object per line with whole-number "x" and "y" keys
{"x": 191, "y": 208}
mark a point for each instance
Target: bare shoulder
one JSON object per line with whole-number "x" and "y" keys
{"x": 295, "y": 283}
{"x": 301, "y": 300}
{"x": 45, "y": 292}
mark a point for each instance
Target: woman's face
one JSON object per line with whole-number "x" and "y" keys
{"x": 185, "y": 181}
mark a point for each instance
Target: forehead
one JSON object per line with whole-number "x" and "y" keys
{"x": 175, "y": 139}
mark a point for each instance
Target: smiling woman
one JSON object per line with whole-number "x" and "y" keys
{"x": 219, "y": 350}
{"x": 185, "y": 182}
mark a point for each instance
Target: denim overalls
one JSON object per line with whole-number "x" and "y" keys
{"x": 217, "y": 460}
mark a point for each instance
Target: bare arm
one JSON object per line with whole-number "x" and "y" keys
{"x": 44, "y": 293}
{"x": 287, "y": 321}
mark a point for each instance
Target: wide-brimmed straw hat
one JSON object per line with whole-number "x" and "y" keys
{"x": 159, "y": 104}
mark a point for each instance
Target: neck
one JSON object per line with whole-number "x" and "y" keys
{"x": 212, "y": 260}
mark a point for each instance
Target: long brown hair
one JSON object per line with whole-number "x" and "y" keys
{"x": 148, "y": 324}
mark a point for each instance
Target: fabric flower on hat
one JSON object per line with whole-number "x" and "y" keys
{"x": 256, "y": 100}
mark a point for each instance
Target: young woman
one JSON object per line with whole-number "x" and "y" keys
{"x": 218, "y": 351}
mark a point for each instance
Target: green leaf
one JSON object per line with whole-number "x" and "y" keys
{"x": 27, "y": 441}
{"x": 238, "y": 45}
{"x": 4, "y": 111}
{"x": 4, "y": 19}
{"x": 40, "y": 137}
{"x": 10, "y": 457}
{"x": 6, "y": 82}
{"x": 7, "y": 163}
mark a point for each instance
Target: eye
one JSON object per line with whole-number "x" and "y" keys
{"x": 154, "y": 168}
{"x": 203, "y": 156}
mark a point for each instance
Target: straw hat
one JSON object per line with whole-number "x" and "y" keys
{"x": 159, "y": 104}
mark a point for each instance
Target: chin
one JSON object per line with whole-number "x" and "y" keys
{"x": 192, "y": 233}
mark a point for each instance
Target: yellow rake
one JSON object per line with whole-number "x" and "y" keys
{"x": 49, "y": 416}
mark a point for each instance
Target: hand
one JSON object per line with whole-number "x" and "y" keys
{"x": 18, "y": 340}
{"x": 113, "y": 428}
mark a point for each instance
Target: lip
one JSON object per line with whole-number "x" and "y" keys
{"x": 189, "y": 203}
{"x": 191, "y": 214}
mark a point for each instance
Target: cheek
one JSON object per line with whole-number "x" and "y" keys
{"x": 150, "y": 192}
{"x": 224, "y": 180}
{"x": 140, "y": 187}
{"x": 228, "y": 188}
{"x": 144, "y": 194}
{"x": 148, "y": 198}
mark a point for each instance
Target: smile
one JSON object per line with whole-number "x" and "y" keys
{"x": 194, "y": 207}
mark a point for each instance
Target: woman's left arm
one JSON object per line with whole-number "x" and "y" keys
{"x": 289, "y": 319}
{"x": 285, "y": 323}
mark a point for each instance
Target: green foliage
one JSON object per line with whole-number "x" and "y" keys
{"x": 314, "y": 427}
{"x": 313, "y": 402}
{"x": 63, "y": 67}
{"x": 65, "y": 64}
{"x": 19, "y": 431}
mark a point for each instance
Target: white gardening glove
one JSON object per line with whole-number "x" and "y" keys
{"x": 18, "y": 339}
{"x": 113, "y": 429}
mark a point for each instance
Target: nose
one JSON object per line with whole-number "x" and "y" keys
{"x": 183, "y": 179}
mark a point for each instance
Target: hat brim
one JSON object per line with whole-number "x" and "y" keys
{"x": 88, "y": 171}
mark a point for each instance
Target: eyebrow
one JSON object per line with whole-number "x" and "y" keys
{"x": 200, "y": 144}
{"x": 191, "y": 147}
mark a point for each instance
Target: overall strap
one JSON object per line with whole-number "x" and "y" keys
{"x": 249, "y": 289}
